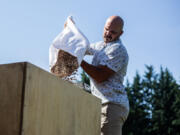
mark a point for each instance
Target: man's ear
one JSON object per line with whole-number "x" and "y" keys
{"x": 121, "y": 32}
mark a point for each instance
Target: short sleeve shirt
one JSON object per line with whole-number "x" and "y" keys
{"x": 113, "y": 55}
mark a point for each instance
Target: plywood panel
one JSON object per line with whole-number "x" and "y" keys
{"x": 55, "y": 107}
{"x": 11, "y": 83}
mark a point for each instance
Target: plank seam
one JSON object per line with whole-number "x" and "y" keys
{"x": 22, "y": 96}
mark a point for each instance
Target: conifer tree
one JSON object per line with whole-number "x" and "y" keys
{"x": 165, "y": 105}
{"x": 138, "y": 119}
{"x": 154, "y": 104}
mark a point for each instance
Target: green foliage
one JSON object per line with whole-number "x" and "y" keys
{"x": 154, "y": 104}
{"x": 139, "y": 116}
{"x": 165, "y": 104}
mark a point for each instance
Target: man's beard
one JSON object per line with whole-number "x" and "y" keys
{"x": 108, "y": 38}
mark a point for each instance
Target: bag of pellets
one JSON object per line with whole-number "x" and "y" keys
{"x": 67, "y": 50}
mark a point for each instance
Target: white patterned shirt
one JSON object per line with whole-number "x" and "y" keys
{"x": 114, "y": 56}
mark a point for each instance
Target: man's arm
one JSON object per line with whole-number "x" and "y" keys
{"x": 98, "y": 73}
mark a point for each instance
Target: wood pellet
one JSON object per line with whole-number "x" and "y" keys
{"x": 65, "y": 65}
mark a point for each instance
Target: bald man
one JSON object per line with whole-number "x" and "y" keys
{"x": 107, "y": 71}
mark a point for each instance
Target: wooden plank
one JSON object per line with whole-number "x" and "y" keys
{"x": 11, "y": 83}
{"x": 55, "y": 107}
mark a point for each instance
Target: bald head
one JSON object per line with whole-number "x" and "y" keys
{"x": 116, "y": 20}
{"x": 113, "y": 28}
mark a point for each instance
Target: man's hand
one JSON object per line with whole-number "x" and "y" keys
{"x": 65, "y": 24}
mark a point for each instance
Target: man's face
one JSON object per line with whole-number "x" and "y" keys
{"x": 111, "y": 32}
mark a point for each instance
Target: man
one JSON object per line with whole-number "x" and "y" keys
{"x": 107, "y": 71}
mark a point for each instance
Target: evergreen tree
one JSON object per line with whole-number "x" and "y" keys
{"x": 165, "y": 105}
{"x": 160, "y": 96}
{"x": 138, "y": 119}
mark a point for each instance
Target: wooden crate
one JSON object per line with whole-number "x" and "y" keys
{"x": 35, "y": 102}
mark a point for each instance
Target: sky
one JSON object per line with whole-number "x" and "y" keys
{"x": 151, "y": 31}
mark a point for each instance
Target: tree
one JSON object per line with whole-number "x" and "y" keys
{"x": 159, "y": 94}
{"x": 138, "y": 119}
{"x": 165, "y": 104}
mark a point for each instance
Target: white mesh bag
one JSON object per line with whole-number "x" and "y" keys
{"x": 71, "y": 40}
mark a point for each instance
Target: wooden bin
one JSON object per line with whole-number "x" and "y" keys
{"x": 35, "y": 102}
